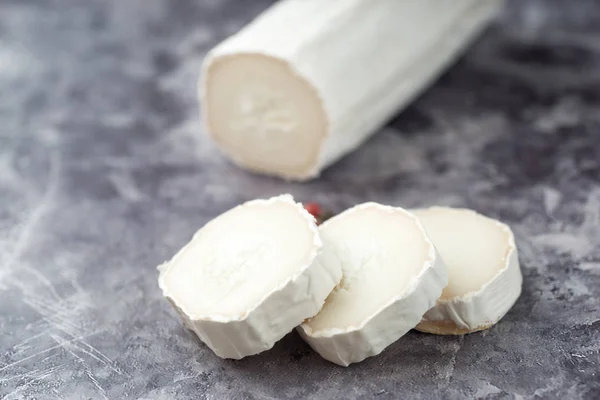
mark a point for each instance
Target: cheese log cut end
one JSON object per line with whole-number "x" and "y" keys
{"x": 250, "y": 276}
{"x": 264, "y": 115}
{"x": 484, "y": 277}
{"x": 308, "y": 81}
{"x": 391, "y": 275}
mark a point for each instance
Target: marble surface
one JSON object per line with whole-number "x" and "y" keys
{"x": 104, "y": 174}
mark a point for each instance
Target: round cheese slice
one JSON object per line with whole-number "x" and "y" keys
{"x": 484, "y": 277}
{"x": 391, "y": 275}
{"x": 250, "y": 276}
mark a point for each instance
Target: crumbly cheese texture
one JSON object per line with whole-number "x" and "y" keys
{"x": 483, "y": 268}
{"x": 250, "y": 276}
{"x": 310, "y": 80}
{"x": 391, "y": 275}
{"x": 238, "y": 257}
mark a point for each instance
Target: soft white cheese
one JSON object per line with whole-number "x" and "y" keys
{"x": 484, "y": 277}
{"x": 250, "y": 276}
{"x": 310, "y": 80}
{"x": 391, "y": 277}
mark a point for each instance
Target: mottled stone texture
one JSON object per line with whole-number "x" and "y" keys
{"x": 104, "y": 174}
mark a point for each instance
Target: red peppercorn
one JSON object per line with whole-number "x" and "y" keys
{"x": 314, "y": 209}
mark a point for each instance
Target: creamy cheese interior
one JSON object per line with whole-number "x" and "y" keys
{"x": 263, "y": 114}
{"x": 381, "y": 253}
{"x": 473, "y": 247}
{"x": 238, "y": 258}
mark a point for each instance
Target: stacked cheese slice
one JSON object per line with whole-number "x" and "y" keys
{"x": 251, "y": 275}
{"x": 353, "y": 285}
{"x": 484, "y": 274}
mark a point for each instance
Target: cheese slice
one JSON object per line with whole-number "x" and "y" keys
{"x": 250, "y": 276}
{"x": 310, "y": 80}
{"x": 483, "y": 269}
{"x": 391, "y": 277}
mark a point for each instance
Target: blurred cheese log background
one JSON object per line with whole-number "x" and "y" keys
{"x": 308, "y": 80}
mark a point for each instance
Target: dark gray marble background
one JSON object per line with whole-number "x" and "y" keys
{"x": 104, "y": 174}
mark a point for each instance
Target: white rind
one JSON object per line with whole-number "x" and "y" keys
{"x": 263, "y": 324}
{"x": 483, "y": 308}
{"x": 364, "y": 59}
{"x": 388, "y": 324}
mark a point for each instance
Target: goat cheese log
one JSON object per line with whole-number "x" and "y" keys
{"x": 483, "y": 268}
{"x": 251, "y": 275}
{"x": 391, "y": 275}
{"x": 309, "y": 80}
